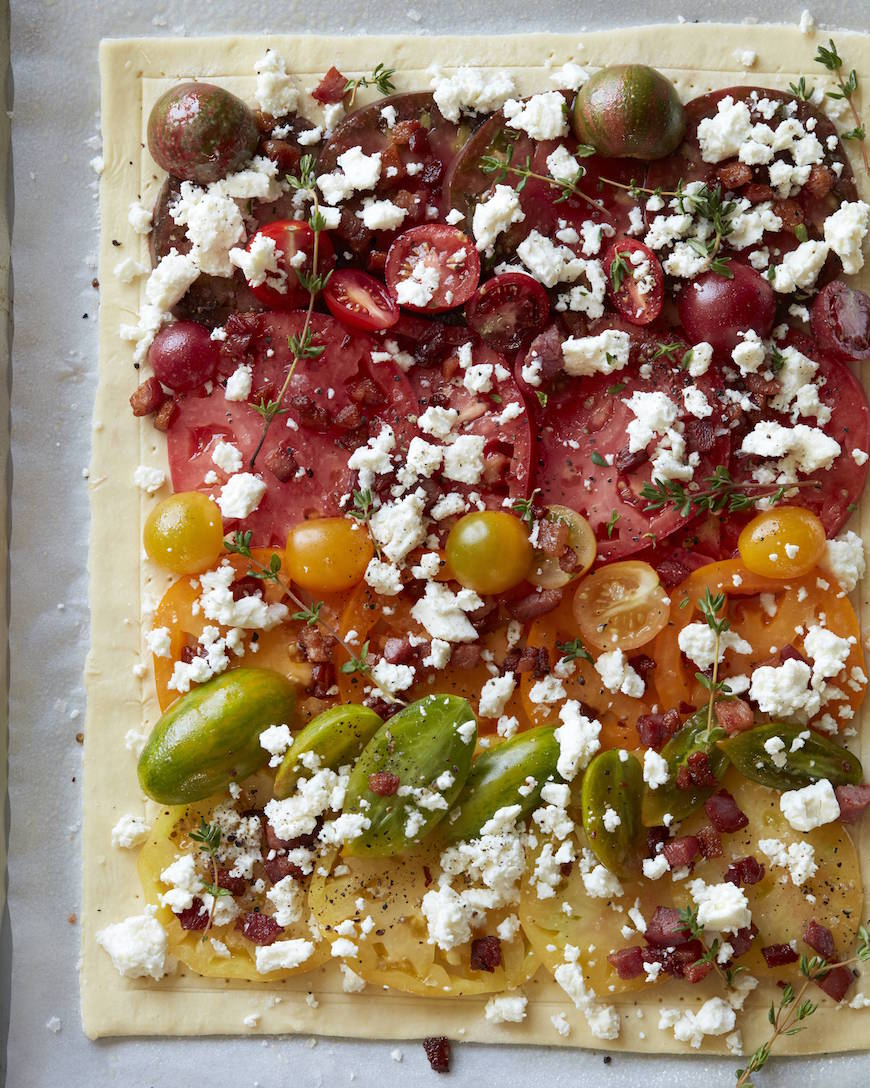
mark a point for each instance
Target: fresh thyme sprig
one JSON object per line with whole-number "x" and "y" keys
{"x": 787, "y": 1018}
{"x": 239, "y": 543}
{"x": 574, "y": 651}
{"x": 381, "y": 77}
{"x": 568, "y": 187}
{"x": 689, "y": 919}
{"x": 209, "y": 838}
{"x": 721, "y": 494}
{"x": 829, "y": 58}
{"x": 526, "y": 507}
{"x": 302, "y": 346}
{"x": 362, "y": 510}
{"x": 710, "y": 607}
{"x": 618, "y": 271}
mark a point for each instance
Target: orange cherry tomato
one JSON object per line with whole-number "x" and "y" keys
{"x": 328, "y": 555}
{"x": 785, "y": 542}
{"x": 621, "y": 606}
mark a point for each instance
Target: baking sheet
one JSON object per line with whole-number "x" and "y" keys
{"x": 55, "y": 50}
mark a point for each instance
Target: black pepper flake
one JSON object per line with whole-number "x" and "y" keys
{"x": 115, "y": 242}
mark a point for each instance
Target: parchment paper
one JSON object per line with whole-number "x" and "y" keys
{"x": 44, "y": 954}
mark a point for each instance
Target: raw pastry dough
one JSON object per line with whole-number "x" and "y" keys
{"x": 123, "y": 587}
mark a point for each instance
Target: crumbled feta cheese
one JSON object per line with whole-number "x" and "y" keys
{"x": 471, "y": 90}
{"x": 148, "y": 479}
{"x": 356, "y": 172}
{"x": 811, "y": 806}
{"x": 844, "y": 559}
{"x": 722, "y": 908}
{"x": 542, "y": 116}
{"x": 137, "y": 946}
{"x": 282, "y": 955}
{"x": 601, "y": 354}
{"x": 398, "y": 526}
{"x": 720, "y": 136}
{"x": 506, "y": 1009}
{"x": 275, "y": 93}
{"x": 495, "y": 694}
{"x": 577, "y": 738}
{"x": 655, "y": 769}
{"x": 845, "y": 232}
{"x": 384, "y": 578}
{"x": 797, "y": 857}
{"x": 130, "y": 831}
{"x": 241, "y": 495}
{"x": 494, "y": 215}
{"x": 618, "y": 676}
{"x": 239, "y": 383}
{"x": 442, "y": 612}
{"x": 227, "y": 457}
{"x": 698, "y": 642}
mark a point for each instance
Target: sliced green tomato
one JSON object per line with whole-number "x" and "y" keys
{"x": 437, "y": 734}
{"x": 169, "y": 837}
{"x": 545, "y": 570}
{"x": 496, "y": 777}
{"x": 397, "y": 952}
{"x": 779, "y": 909}
{"x": 669, "y": 798}
{"x": 336, "y": 737}
{"x": 613, "y": 785}
{"x": 816, "y": 757}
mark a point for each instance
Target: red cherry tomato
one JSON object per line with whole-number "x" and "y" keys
{"x": 636, "y": 283}
{"x": 432, "y": 268}
{"x": 717, "y": 309}
{"x": 508, "y": 310}
{"x": 292, "y": 236}
{"x": 184, "y": 356}
{"x": 360, "y": 301}
{"x": 840, "y": 321}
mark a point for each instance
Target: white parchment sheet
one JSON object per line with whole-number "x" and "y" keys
{"x": 56, "y": 97}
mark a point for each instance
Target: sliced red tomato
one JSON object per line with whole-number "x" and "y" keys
{"x": 508, "y": 310}
{"x": 840, "y": 321}
{"x": 292, "y": 237}
{"x": 636, "y": 283}
{"x": 582, "y": 432}
{"x": 508, "y": 443}
{"x": 440, "y": 261}
{"x": 326, "y": 395}
{"x": 360, "y": 301}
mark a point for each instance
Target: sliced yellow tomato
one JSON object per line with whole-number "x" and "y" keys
{"x": 580, "y": 537}
{"x": 766, "y": 624}
{"x": 276, "y": 649}
{"x": 397, "y": 952}
{"x": 780, "y": 910}
{"x": 169, "y": 837}
{"x": 785, "y": 542}
{"x": 617, "y": 713}
{"x": 371, "y": 618}
{"x": 620, "y": 606}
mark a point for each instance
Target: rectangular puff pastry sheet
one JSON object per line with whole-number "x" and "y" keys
{"x": 698, "y": 58}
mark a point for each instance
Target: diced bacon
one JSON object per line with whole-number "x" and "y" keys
{"x": 643, "y": 665}
{"x": 745, "y": 871}
{"x": 437, "y": 1049}
{"x": 259, "y": 928}
{"x": 365, "y": 393}
{"x": 383, "y": 783}
{"x": 734, "y": 715}
{"x": 627, "y": 460}
{"x": 485, "y": 954}
{"x": 852, "y": 801}
{"x": 286, "y": 155}
{"x": 427, "y": 876}
{"x": 627, "y": 962}
{"x": 757, "y": 194}
{"x": 695, "y": 971}
{"x": 398, "y": 651}
{"x": 655, "y": 837}
{"x": 678, "y": 565}
{"x": 836, "y": 982}
{"x": 147, "y": 398}
{"x": 819, "y": 938}
{"x": 534, "y": 605}
{"x": 316, "y": 646}
{"x": 742, "y": 940}
{"x": 311, "y": 414}
{"x": 734, "y": 175}
{"x": 246, "y": 587}
{"x": 279, "y": 867}
{"x": 791, "y": 653}
{"x": 655, "y": 730}
{"x": 779, "y": 955}
{"x": 165, "y": 415}
{"x": 666, "y": 928}
{"x": 331, "y": 89}
{"x": 724, "y": 812}
{"x": 790, "y": 212}
{"x": 710, "y": 841}
{"x": 465, "y": 655}
{"x": 546, "y": 349}
{"x": 682, "y": 851}
{"x": 696, "y": 771}
{"x": 820, "y": 182}
{"x": 195, "y": 917}
{"x": 235, "y": 885}
{"x": 402, "y": 131}
{"x": 322, "y": 680}
{"x": 700, "y": 435}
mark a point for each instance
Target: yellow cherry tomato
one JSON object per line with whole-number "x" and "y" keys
{"x": 184, "y": 533}
{"x": 785, "y": 542}
{"x": 577, "y": 534}
{"x": 328, "y": 555}
{"x": 489, "y": 551}
{"x": 621, "y": 606}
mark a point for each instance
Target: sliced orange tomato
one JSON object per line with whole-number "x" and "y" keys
{"x": 795, "y": 604}
{"x": 373, "y": 619}
{"x": 617, "y": 713}
{"x": 276, "y": 649}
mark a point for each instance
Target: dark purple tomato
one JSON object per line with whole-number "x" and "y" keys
{"x": 840, "y": 322}
{"x": 184, "y": 356}
{"x": 508, "y": 310}
{"x": 718, "y": 309}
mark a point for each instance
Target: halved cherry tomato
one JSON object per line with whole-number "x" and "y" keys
{"x": 795, "y": 604}
{"x": 547, "y": 569}
{"x": 443, "y": 262}
{"x": 291, "y": 237}
{"x": 840, "y": 320}
{"x": 508, "y": 310}
{"x": 636, "y": 283}
{"x": 785, "y": 542}
{"x": 621, "y": 606}
{"x": 360, "y": 301}
{"x": 489, "y": 551}
{"x": 328, "y": 555}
